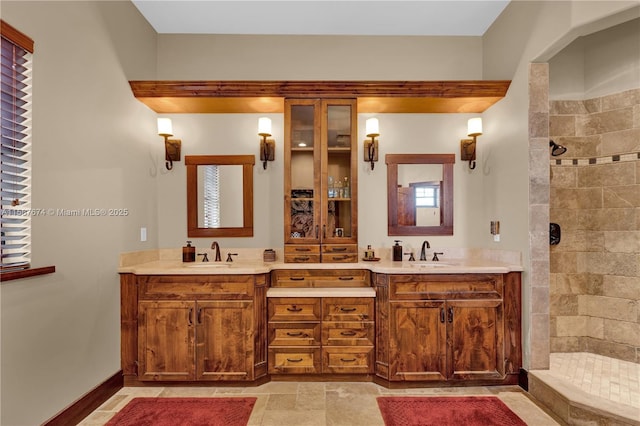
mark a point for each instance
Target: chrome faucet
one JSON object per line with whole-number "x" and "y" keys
{"x": 423, "y": 252}
{"x": 216, "y": 248}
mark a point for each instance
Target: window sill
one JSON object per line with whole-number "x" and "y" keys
{"x": 24, "y": 273}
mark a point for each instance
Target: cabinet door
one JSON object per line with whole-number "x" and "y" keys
{"x": 476, "y": 342}
{"x": 302, "y": 172}
{"x": 224, "y": 348}
{"x": 339, "y": 177}
{"x": 417, "y": 341}
{"x": 166, "y": 340}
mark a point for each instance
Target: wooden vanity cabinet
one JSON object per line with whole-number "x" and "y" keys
{"x": 320, "y": 184}
{"x": 193, "y": 328}
{"x": 448, "y": 328}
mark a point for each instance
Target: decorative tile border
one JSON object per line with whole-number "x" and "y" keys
{"x": 634, "y": 156}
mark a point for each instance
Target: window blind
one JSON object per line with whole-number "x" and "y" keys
{"x": 211, "y": 197}
{"x": 15, "y": 173}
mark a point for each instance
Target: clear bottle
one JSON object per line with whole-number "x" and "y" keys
{"x": 346, "y": 193}
{"x": 332, "y": 191}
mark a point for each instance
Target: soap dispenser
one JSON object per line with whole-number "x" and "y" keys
{"x": 397, "y": 252}
{"x": 188, "y": 253}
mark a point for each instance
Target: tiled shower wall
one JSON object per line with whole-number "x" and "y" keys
{"x": 595, "y": 198}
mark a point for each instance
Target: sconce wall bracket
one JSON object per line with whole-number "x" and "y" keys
{"x": 171, "y": 151}
{"x": 371, "y": 151}
{"x": 467, "y": 149}
{"x": 267, "y": 151}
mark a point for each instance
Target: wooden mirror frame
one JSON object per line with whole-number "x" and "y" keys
{"x": 446, "y": 225}
{"x": 192, "y": 162}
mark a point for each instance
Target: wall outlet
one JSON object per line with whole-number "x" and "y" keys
{"x": 143, "y": 234}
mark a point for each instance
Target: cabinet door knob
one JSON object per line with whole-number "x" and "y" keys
{"x": 190, "y": 317}
{"x": 442, "y": 315}
{"x": 450, "y": 314}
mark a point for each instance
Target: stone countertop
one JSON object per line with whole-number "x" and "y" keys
{"x": 450, "y": 266}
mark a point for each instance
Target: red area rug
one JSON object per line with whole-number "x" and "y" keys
{"x": 185, "y": 412}
{"x": 447, "y": 411}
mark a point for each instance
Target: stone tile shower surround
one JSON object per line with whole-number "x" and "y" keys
{"x": 595, "y": 197}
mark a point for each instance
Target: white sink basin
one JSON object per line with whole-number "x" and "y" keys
{"x": 428, "y": 265}
{"x": 207, "y": 265}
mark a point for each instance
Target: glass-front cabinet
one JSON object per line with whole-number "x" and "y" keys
{"x": 320, "y": 181}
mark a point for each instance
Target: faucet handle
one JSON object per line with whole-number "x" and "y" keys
{"x": 229, "y": 258}
{"x": 411, "y": 258}
{"x": 435, "y": 256}
{"x": 205, "y": 258}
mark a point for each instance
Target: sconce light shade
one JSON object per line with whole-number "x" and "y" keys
{"x": 372, "y": 129}
{"x": 474, "y": 126}
{"x": 267, "y": 146}
{"x": 171, "y": 146}
{"x": 264, "y": 126}
{"x": 164, "y": 127}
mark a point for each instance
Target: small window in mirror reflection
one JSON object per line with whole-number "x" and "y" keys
{"x": 427, "y": 195}
{"x": 211, "y": 197}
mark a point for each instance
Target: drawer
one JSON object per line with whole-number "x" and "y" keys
{"x": 345, "y": 360}
{"x": 348, "y": 333}
{"x": 293, "y": 309}
{"x": 176, "y": 287}
{"x": 294, "y": 360}
{"x": 340, "y": 249}
{"x": 302, "y": 258}
{"x": 347, "y": 309}
{"x": 320, "y": 278}
{"x": 339, "y": 258}
{"x": 294, "y": 334}
{"x": 301, "y": 249}
{"x": 438, "y": 287}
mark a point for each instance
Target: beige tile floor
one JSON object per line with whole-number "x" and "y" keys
{"x": 321, "y": 403}
{"x": 609, "y": 378}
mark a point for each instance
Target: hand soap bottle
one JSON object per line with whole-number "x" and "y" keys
{"x": 188, "y": 253}
{"x": 397, "y": 252}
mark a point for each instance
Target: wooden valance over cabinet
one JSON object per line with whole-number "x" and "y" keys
{"x": 246, "y": 96}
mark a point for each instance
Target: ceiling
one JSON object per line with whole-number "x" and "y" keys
{"x": 322, "y": 17}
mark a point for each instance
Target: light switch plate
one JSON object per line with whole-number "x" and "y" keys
{"x": 143, "y": 234}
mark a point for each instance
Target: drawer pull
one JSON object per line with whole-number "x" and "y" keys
{"x": 302, "y": 249}
{"x": 347, "y": 359}
{"x": 334, "y": 249}
{"x": 345, "y": 278}
{"x": 340, "y": 257}
{"x": 296, "y": 334}
{"x": 294, "y": 309}
{"x": 297, "y": 278}
{"x": 190, "y": 318}
{"x": 294, "y": 360}
{"x": 450, "y": 314}
{"x": 442, "y": 315}
{"x": 199, "y": 316}
{"x": 301, "y": 258}
{"x": 347, "y": 309}
{"x": 348, "y": 333}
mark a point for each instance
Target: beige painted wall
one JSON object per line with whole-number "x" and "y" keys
{"x": 96, "y": 146}
{"x": 93, "y": 147}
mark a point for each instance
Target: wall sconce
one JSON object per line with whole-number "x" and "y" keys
{"x": 171, "y": 146}
{"x": 468, "y": 146}
{"x": 371, "y": 147}
{"x": 267, "y": 146}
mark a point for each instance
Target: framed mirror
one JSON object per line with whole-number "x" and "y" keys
{"x": 219, "y": 195}
{"x": 420, "y": 194}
